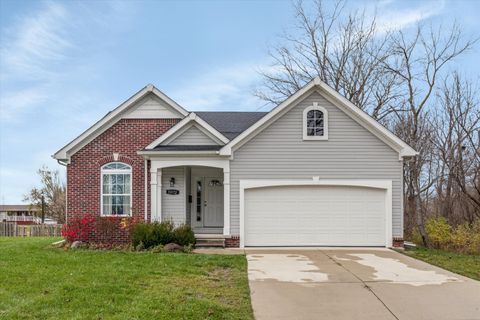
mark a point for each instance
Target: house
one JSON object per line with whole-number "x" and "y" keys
{"x": 20, "y": 214}
{"x": 314, "y": 171}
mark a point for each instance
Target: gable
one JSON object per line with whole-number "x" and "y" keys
{"x": 192, "y": 136}
{"x": 355, "y": 113}
{"x": 152, "y": 107}
{"x": 197, "y": 131}
{"x": 346, "y": 137}
{"x": 152, "y": 97}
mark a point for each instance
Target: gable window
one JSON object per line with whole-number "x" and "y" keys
{"x": 116, "y": 190}
{"x": 315, "y": 123}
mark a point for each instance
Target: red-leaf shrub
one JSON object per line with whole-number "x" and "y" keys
{"x": 79, "y": 229}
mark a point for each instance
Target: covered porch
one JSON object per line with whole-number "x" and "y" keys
{"x": 194, "y": 191}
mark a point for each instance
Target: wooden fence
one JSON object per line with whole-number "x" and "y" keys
{"x": 8, "y": 229}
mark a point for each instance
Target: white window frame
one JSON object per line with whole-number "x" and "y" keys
{"x": 115, "y": 171}
{"x": 315, "y": 106}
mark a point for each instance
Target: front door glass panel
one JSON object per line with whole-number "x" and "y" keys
{"x": 198, "y": 203}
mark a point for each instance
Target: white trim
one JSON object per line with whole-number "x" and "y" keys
{"x": 315, "y": 181}
{"x": 402, "y": 200}
{"x": 116, "y": 171}
{"x": 159, "y": 213}
{"x": 111, "y": 118}
{"x": 153, "y": 153}
{"x": 145, "y": 190}
{"x": 174, "y": 131}
{"x": 361, "y": 117}
{"x": 315, "y": 106}
{"x": 153, "y": 194}
{"x": 226, "y": 201}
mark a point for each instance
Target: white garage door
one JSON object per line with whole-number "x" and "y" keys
{"x": 314, "y": 216}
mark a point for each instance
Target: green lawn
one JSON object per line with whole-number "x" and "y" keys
{"x": 40, "y": 282}
{"x": 467, "y": 265}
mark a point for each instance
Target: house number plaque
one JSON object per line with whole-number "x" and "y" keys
{"x": 173, "y": 192}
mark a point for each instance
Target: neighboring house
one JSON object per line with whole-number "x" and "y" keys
{"x": 314, "y": 171}
{"x": 20, "y": 214}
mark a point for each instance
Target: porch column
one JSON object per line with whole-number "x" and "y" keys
{"x": 156, "y": 194}
{"x": 226, "y": 202}
{"x": 159, "y": 194}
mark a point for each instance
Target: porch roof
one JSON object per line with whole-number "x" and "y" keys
{"x": 185, "y": 148}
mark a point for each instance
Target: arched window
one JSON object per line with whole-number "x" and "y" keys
{"x": 116, "y": 191}
{"x": 315, "y": 123}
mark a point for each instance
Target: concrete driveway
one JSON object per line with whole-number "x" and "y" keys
{"x": 356, "y": 284}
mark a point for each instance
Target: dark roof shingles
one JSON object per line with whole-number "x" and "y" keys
{"x": 230, "y": 124}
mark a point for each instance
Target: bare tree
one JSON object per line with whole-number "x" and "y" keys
{"x": 347, "y": 53}
{"x": 457, "y": 147}
{"x": 53, "y": 191}
{"x": 419, "y": 61}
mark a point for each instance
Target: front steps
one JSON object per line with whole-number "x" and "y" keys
{"x": 210, "y": 241}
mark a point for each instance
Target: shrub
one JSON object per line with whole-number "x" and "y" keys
{"x": 183, "y": 235}
{"x": 439, "y": 232}
{"x": 79, "y": 229}
{"x": 107, "y": 226}
{"x": 152, "y": 234}
{"x": 464, "y": 238}
{"x": 162, "y": 233}
{"x": 140, "y": 234}
{"x": 158, "y": 249}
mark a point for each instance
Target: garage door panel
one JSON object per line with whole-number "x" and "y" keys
{"x": 314, "y": 215}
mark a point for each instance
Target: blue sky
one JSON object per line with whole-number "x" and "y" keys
{"x": 64, "y": 64}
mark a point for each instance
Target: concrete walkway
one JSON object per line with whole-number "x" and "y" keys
{"x": 356, "y": 284}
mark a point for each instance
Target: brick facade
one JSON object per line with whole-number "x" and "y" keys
{"x": 397, "y": 242}
{"x": 126, "y": 137}
{"x": 232, "y": 242}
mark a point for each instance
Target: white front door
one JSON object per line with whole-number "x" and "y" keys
{"x": 207, "y": 201}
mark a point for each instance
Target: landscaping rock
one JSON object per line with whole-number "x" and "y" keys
{"x": 78, "y": 245}
{"x": 173, "y": 247}
{"x": 59, "y": 244}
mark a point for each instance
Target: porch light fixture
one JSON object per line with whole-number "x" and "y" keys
{"x": 215, "y": 183}
{"x": 172, "y": 182}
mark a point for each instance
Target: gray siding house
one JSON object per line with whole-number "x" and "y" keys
{"x": 314, "y": 171}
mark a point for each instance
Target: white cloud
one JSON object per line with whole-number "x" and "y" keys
{"x": 390, "y": 17}
{"x": 227, "y": 88}
{"x": 45, "y": 52}
{"x": 37, "y": 40}
{"x": 15, "y": 102}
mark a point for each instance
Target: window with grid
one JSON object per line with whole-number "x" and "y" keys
{"x": 116, "y": 189}
{"x": 315, "y": 123}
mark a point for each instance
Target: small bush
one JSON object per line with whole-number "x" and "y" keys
{"x": 162, "y": 233}
{"x": 79, "y": 229}
{"x": 464, "y": 238}
{"x": 140, "y": 234}
{"x": 158, "y": 249}
{"x": 183, "y": 235}
{"x": 439, "y": 232}
{"x": 188, "y": 248}
{"x": 152, "y": 234}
